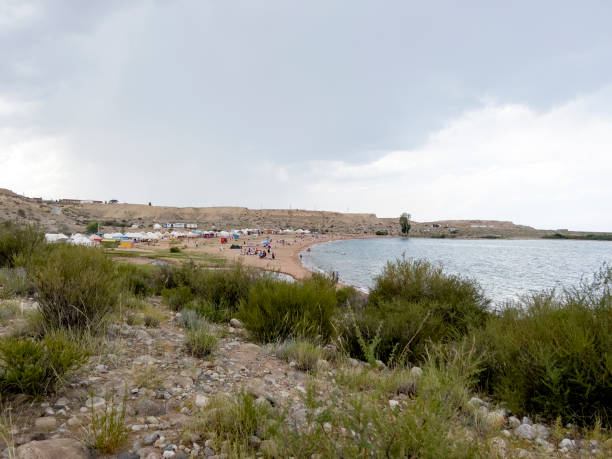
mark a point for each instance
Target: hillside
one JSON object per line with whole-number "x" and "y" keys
{"x": 69, "y": 218}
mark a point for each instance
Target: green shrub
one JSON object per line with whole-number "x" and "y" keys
{"x": 276, "y": 310}
{"x": 108, "y": 431}
{"x": 552, "y": 355}
{"x": 216, "y": 293}
{"x": 355, "y": 419}
{"x": 18, "y": 241}
{"x": 175, "y": 250}
{"x": 419, "y": 280}
{"x": 382, "y": 233}
{"x": 176, "y": 298}
{"x": 232, "y": 421}
{"x": 210, "y": 311}
{"x": 77, "y": 286}
{"x": 136, "y": 279}
{"x": 304, "y": 353}
{"x": 412, "y": 305}
{"x": 200, "y": 342}
{"x": 14, "y": 282}
{"x": 92, "y": 227}
{"x": 36, "y": 368}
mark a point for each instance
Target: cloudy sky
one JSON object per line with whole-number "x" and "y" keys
{"x": 492, "y": 110}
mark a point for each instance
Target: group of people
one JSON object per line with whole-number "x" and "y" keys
{"x": 261, "y": 253}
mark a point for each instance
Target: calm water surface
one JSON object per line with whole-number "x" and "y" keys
{"x": 504, "y": 268}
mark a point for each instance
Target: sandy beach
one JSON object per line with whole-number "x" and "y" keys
{"x": 286, "y": 250}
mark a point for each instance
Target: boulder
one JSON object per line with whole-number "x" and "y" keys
{"x": 147, "y": 407}
{"x": 526, "y": 432}
{"x": 56, "y": 448}
{"x": 45, "y": 424}
{"x": 236, "y": 323}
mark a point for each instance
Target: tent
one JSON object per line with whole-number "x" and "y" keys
{"x": 223, "y": 234}
{"x": 157, "y": 226}
{"x": 55, "y": 237}
{"x": 80, "y": 239}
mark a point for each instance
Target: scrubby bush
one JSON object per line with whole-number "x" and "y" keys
{"x": 552, "y": 355}
{"x": 200, "y": 342}
{"x": 412, "y": 305}
{"x": 233, "y": 421}
{"x": 276, "y": 310}
{"x": 176, "y": 298}
{"x": 36, "y": 368}
{"x": 136, "y": 279}
{"x": 14, "y": 282}
{"x": 216, "y": 293}
{"x": 304, "y": 353}
{"x": 107, "y": 431}
{"x": 18, "y": 241}
{"x": 77, "y": 286}
{"x": 175, "y": 250}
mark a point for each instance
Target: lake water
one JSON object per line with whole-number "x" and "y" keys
{"x": 504, "y": 268}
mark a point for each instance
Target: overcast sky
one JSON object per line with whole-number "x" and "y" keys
{"x": 447, "y": 110}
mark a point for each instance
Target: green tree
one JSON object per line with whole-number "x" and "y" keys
{"x": 405, "y": 223}
{"x": 92, "y": 227}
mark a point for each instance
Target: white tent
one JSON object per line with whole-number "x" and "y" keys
{"x": 223, "y": 234}
{"x": 112, "y": 235}
{"x": 157, "y": 226}
{"x": 80, "y": 239}
{"x": 55, "y": 237}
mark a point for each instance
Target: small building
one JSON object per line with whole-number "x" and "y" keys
{"x": 70, "y": 201}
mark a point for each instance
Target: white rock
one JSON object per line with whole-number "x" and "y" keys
{"x": 475, "y": 402}
{"x": 526, "y": 431}
{"x": 514, "y": 422}
{"x": 542, "y": 431}
{"x": 45, "y": 424}
{"x": 567, "y": 443}
{"x": 526, "y": 420}
{"x": 236, "y": 323}
{"x": 201, "y": 400}
{"x": 95, "y": 402}
{"x": 394, "y": 404}
{"x": 416, "y": 372}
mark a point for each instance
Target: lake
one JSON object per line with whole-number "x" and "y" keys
{"x": 504, "y": 268}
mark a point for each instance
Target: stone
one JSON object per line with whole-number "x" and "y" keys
{"x": 180, "y": 455}
{"x": 236, "y": 323}
{"x": 542, "y": 431}
{"x": 45, "y": 424}
{"x": 495, "y": 420}
{"x": 254, "y": 442}
{"x": 128, "y": 455}
{"x": 208, "y": 451}
{"x": 567, "y": 443}
{"x": 476, "y": 402}
{"x": 526, "y": 432}
{"x": 526, "y": 420}
{"x": 393, "y": 404}
{"x": 169, "y": 454}
{"x": 201, "y": 400}
{"x": 56, "y": 448}
{"x": 514, "y": 422}
{"x": 150, "y": 439}
{"x": 147, "y": 407}
{"x": 75, "y": 421}
{"x": 353, "y": 362}
{"x": 416, "y": 372}
{"x": 95, "y": 402}
{"x": 498, "y": 446}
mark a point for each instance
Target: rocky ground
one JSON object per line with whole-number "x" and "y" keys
{"x": 164, "y": 388}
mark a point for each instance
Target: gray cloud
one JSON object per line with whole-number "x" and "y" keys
{"x": 211, "y": 103}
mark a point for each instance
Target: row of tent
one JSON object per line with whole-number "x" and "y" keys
{"x": 82, "y": 239}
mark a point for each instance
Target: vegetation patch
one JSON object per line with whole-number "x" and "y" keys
{"x": 37, "y": 367}
{"x": 551, "y": 354}
{"x": 276, "y": 310}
